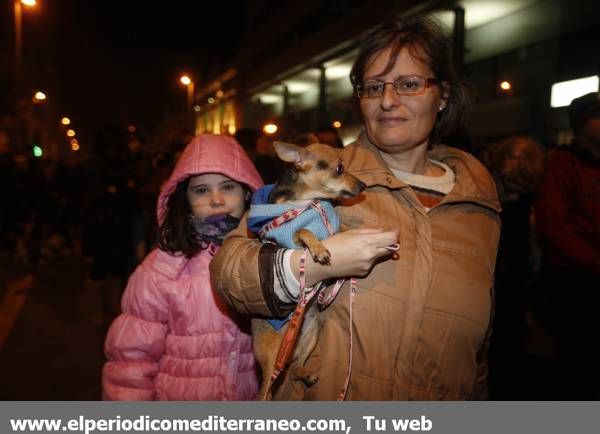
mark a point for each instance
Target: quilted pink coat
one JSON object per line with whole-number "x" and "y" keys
{"x": 175, "y": 340}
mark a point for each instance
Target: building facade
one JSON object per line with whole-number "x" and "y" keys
{"x": 293, "y": 69}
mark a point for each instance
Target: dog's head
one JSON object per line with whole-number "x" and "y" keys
{"x": 320, "y": 172}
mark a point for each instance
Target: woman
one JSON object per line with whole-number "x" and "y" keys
{"x": 420, "y": 319}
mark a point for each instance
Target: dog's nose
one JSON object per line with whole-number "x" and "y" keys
{"x": 362, "y": 186}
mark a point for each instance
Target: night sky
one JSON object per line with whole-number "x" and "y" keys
{"x": 117, "y": 62}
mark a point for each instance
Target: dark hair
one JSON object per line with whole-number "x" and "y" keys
{"x": 328, "y": 128}
{"x": 582, "y": 109}
{"x": 176, "y": 234}
{"x": 426, "y": 42}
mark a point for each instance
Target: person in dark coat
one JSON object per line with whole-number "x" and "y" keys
{"x": 568, "y": 219}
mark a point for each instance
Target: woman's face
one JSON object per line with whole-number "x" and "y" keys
{"x": 213, "y": 194}
{"x": 395, "y": 123}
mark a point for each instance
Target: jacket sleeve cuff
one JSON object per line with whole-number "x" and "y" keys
{"x": 266, "y": 267}
{"x": 285, "y": 284}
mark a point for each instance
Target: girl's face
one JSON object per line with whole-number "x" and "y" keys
{"x": 213, "y": 194}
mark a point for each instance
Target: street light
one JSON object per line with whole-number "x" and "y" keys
{"x": 18, "y": 33}
{"x": 270, "y": 129}
{"x": 39, "y": 96}
{"x": 189, "y": 83}
{"x": 65, "y": 121}
{"x": 37, "y": 151}
{"x": 185, "y": 80}
{"x": 71, "y": 133}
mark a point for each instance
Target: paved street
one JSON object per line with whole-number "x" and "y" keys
{"x": 50, "y": 348}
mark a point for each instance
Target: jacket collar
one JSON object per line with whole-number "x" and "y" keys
{"x": 473, "y": 182}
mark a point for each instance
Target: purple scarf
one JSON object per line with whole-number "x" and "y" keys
{"x": 214, "y": 229}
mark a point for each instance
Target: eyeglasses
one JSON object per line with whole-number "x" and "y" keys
{"x": 404, "y": 85}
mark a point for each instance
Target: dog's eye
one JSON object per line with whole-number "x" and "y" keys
{"x": 339, "y": 169}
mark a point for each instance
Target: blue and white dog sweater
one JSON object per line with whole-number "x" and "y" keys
{"x": 261, "y": 213}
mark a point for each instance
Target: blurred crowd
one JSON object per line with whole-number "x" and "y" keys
{"x": 548, "y": 263}
{"x": 101, "y": 205}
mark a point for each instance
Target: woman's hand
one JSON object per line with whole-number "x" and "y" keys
{"x": 353, "y": 253}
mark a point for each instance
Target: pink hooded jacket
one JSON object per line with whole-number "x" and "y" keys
{"x": 175, "y": 340}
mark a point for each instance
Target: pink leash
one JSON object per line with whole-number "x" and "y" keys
{"x": 288, "y": 343}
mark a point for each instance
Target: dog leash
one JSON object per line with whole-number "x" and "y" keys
{"x": 324, "y": 299}
{"x": 288, "y": 343}
{"x": 283, "y": 218}
{"x": 290, "y": 337}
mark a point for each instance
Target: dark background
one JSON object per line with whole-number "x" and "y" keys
{"x": 109, "y": 62}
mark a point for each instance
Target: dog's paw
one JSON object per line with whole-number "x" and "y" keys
{"x": 310, "y": 380}
{"x": 322, "y": 256}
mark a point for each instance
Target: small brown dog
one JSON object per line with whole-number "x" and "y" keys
{"x": 315, "y": 172}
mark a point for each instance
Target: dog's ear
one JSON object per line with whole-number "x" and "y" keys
{"x": 290, "y": 153}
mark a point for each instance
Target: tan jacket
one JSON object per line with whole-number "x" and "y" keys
{"x": 421, "y": 323}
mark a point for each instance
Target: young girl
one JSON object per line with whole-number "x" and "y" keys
{"x": 175, "y": 340}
